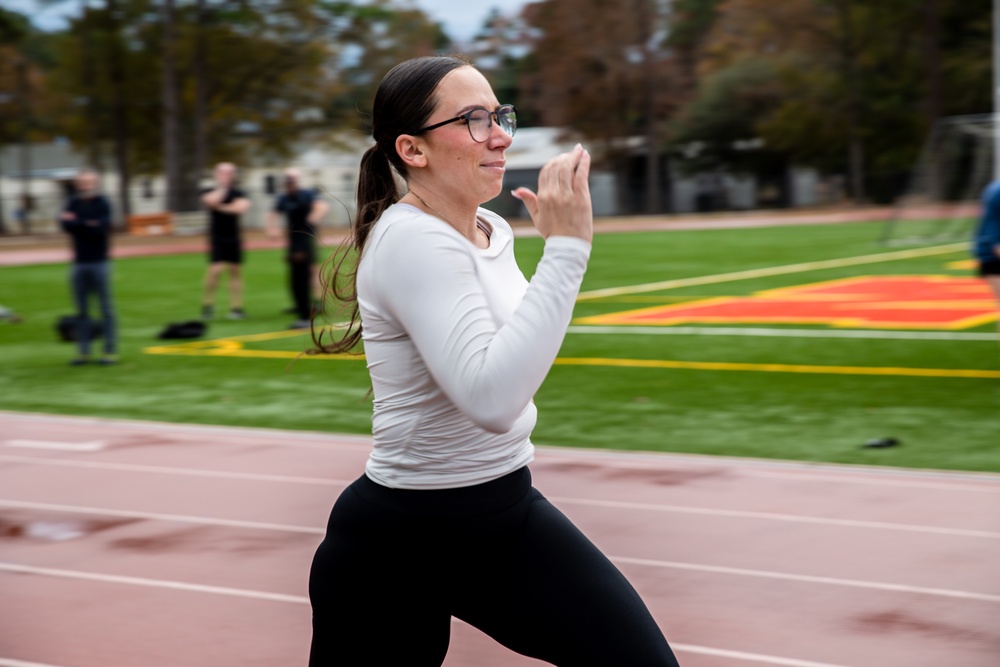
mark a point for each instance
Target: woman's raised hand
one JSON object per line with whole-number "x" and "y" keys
{"x": 562, "y": 206}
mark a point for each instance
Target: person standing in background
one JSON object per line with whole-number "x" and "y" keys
{"x": 303, "y": 210}
{"x": 225, "y": 203}
{"x": 87, "y": 219}
{"x": 986, "y": 243}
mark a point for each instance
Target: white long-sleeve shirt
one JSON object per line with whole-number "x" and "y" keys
{"x": 457, "y": 344}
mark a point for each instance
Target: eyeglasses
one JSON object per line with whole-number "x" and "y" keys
{"x": 480, "y": 122}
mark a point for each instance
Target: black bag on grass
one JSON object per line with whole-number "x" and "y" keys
{"x": 189, "y": 329}
{"x": 66, "y": 328}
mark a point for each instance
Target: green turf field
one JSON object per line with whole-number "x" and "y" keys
{"x": 702, "y": 387}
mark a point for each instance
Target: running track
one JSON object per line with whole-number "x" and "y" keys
{"x": 128, "y": 543}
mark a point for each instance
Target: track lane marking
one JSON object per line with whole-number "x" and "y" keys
{"x": 748, "y": 657}
{"x": 809, "y": 579}
{"x": 845, "y": 473}
{"x": 562, "y": 500}
{"x": 15, "y": 568}
{"x": 156, "y": 516}
{"x": 774, "y": 516}
{"x": 93, "y": 446}
{"x": 152, "y": 583}
{"x": 169, "y": 470}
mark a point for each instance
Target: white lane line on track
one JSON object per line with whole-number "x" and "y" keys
{"x": 678, "y": 648}
{"x": 773, "y": 516}
{"x": 622, "y": 559}
{"x": 152, "y": 583}
{"x": 127, "y": 428}
{"x": 748, "y": 657}
{"x": 155, "y": 516}
{"x": 783, "y": 333}
{"x": 93, "y": 446}
{"x": 792, "y": 470}
{"x": 279, "y": 438}
{"x": 809, "y": 579}
{"x": 882, "y": 478}
{"x": 566, "y": 500}
{"x": 974, "y": 482}
{"x": 883, "y": 481}
{"x": 168, "y": 470}
{"x": 646, "y": 562}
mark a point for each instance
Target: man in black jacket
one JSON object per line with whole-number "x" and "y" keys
{"x": 87, "y": 219}
{"x": 304, "y": 210}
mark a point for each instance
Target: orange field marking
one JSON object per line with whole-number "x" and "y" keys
{"x": 889, "y": 302}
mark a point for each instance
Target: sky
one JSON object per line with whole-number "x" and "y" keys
{"x": 460, "y": 18}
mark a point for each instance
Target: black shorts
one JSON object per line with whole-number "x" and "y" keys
{"x": 990, "y": 267}
{"x": 226, "y": 250}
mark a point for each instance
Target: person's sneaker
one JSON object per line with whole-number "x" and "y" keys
{"x": 207, "y": 312}
{"x": 108, "y": 360}
{"x": 300, "y": 324}
{"x": 237, "y": 314}
{"x": 79, "y": 361}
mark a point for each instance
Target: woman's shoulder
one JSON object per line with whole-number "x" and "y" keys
{"x": 494, "y": 219}
{"x": 406, "y": 228}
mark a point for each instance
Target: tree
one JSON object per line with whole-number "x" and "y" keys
{"x": 372, "y": 38}
{"x": 22, "y": 96}
{"x": 500, "y": 49}
{"x": 602, "y": 68}
{"x": 173, "y": 86}
{"x": 855, "y": 81}
{"x": 171, "y": 111}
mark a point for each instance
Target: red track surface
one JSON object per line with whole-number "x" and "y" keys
{"x": 128, "y": 543}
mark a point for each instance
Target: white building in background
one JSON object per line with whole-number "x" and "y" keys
{"x": 42, "y": 189}
{"x": 330, "y": 165}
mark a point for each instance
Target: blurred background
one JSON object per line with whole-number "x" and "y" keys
{"x": 689, "y": 105}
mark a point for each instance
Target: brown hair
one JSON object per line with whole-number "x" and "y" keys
{"x": 403, "y": 102}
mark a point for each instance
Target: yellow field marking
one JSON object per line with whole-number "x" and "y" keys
{"x": 772, "y": 271}
{"x": 778, "y": 368}
{"x": 234, "y": 347}
{"x": 962, "y": 264}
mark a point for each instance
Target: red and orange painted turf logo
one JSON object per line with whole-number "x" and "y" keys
{"x": 878, "y": 302}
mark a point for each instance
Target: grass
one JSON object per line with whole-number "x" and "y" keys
{"x": 942, "y": 422}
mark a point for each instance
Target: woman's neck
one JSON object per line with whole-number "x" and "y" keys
{"x": 462, "y": 218}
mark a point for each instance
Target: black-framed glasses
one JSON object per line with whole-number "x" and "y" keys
{"x": 480, "y": 122}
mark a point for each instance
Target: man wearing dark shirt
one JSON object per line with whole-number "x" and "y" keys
{"x": 225, "y": 203}
{"x": 303, "y": 210}
{"x": 87, "y": 219}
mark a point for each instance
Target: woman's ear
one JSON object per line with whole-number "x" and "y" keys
{"x": 410, "y": 150}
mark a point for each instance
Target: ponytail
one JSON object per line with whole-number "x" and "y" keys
{"x": 376, "y": 192}
{"x": 403, "y": 102}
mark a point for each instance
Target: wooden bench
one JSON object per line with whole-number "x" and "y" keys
{"x": 151, "y": 224}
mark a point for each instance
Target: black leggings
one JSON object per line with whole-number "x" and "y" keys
{"x": 396, "y": 565}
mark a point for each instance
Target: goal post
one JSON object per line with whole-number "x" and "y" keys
{"x": 941, "y": 203}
